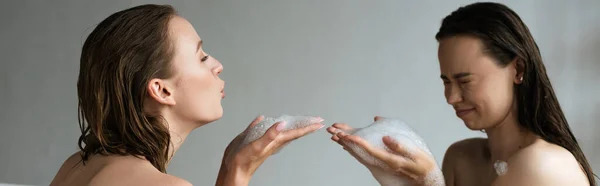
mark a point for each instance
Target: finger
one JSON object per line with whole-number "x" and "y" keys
{"x": 299, "y": 132}
{"x": 405, "y": 173}
{"x": 341, "y": 135}
{"x": 255, "y": 121}
{"x": 342, "y": 139}
{"x": 377, "y": 118}
{"x": 332, "y": 130}
{"x": 351, "y": 151}
{"x": 411, "y": 157}
{"x": 395, "y": 146}
{"x": 335, "y": 138}
{"x": 342, "y": 126}
{"x": 269, "y": 136}
{"x": 392, "y": 160}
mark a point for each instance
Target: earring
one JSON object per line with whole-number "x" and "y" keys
{"x": 521, "y": 79}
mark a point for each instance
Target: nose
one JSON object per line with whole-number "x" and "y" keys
{"x": 453, "y": 95}
{"x": 218, "y": 69}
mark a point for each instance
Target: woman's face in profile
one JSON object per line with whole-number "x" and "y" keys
{"x": 198, "y": 89}
{"x": 479, "y": 90}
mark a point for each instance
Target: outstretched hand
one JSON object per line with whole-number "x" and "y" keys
{"x": 239, "y": 169}
{"x": 415, "y": 165}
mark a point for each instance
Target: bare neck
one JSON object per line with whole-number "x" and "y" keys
{"x": 507, "y": 137}
{"x": 177, "y": 139}
{"x": 179, "y": 131}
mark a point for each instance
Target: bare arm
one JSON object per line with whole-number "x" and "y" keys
{"x": 448, "y": 166}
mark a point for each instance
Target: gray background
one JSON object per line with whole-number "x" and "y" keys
{"x": 343, "y": 60}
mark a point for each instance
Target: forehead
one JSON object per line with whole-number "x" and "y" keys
{"x": 183, "y": 34}
{"x": 460, "y": 54}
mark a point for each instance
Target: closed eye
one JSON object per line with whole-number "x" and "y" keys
{"x": 462, "y": 78}
{"x": 204, "y": 58}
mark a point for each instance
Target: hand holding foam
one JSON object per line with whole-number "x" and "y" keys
{"x": 401, "y": 158}
{"x": 295, "y": 127}
{"x": 262, "y": 138}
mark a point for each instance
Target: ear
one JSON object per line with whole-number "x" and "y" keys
{"x": 519, "y": 69}
{"x": 161, "y": 92}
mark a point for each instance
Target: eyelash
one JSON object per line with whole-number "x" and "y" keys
{"x": 461, "y": 82}
{"x": 204, "y": 58}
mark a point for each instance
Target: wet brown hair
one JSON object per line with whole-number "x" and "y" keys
{"x": 119, "y": 58}
{"x": 506, "y": 38}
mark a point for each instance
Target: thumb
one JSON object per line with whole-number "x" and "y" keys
{"x": 395, "y": 146}
{"x": 255, "y": 121}
{"x": 271, "y": 134}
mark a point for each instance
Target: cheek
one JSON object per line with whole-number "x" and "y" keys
{"x": 198, "y": 85}
{"x": 494, "y": 100}
{"x": 196, "y": 90}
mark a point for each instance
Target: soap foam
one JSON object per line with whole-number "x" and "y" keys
{"x": 406, "y": 137}
{"x": 257, "y": 131}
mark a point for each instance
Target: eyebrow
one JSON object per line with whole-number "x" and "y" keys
{"x": 456, "y": 76}
{"x": 199, "y": 46}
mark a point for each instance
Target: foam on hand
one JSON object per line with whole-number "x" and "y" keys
{"x": 406, "y": 137}
{"x": 258, "y": 130}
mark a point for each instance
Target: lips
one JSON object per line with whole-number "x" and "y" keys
{"x": 463, "y": 112}
{"x": 222, "y": 93}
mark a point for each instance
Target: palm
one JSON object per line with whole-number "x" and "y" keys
{"x": 341, "y": 127}
{"x": 415, "y": 165}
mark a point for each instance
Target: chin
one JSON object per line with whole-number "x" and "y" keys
{"x": 209, "y": 119}
{"x": 205, "y": 121}
{"x": 215, "y": 118}
{"x": 218, "y": 115}
{"x": 473, "y": 125}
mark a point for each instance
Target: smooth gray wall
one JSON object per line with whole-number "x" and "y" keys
{"x": 342, "y": 60}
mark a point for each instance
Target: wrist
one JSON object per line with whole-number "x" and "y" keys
{"x": 433, "y": 178}
{"x": 221, "y": 176}
{"x": 236, "y": 177}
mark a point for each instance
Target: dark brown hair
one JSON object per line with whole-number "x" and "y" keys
{"x": 119, "y": 57}
{"x": 506, "y": 38}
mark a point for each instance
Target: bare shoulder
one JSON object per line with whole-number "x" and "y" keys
{"x": 543, "y": 163}
{"x": 464, "y": 149}
{"x": 466, "y": 146}
{"x": 112, "y": 170}
{"x": 69, "y": 164}
{"x": 134, "y": 171}
{"x": 458, "y": 154}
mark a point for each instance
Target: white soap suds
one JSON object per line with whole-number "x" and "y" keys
{"x": 408, "y": 139}
{"x": 501, "y": 167}
{"x": 256, "y": 132}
